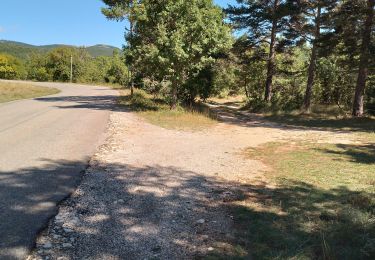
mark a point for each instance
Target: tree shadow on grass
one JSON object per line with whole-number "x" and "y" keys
{"x": 233, "y": 115}
{"x": 364, "y": 154}
{"x": 349, "y": 124}
{"x": 299, "y": 221}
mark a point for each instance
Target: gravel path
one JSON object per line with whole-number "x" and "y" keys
{"x": 153, "y": 193}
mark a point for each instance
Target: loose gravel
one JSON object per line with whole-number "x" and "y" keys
{"x": 153, "y": 193}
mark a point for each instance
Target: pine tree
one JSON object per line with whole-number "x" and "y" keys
{"x": 307, "y": 20}
{"x": 265, "y": 22}
{"x": 358, "y": 103}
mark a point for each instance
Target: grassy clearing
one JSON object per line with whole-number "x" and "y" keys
{"x": 327, "y": 118}
{"x": 323, "y": 205}
{"x": 158, "y": 112}
{"x": 15, "y": 91}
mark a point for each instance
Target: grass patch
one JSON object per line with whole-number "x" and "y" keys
{"x": 366, "y": 124}
{"x": 326, "y": 118}
{"x": 157, "y": 112}
{"x": 15, "y": 91}
{"x": 323, "y": 206}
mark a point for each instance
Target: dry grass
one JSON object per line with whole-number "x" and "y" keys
{"x": 178, "y": 119}
{"x": 158, "y": 112}
{"x": 238, "y": 100}
{"x": 15, "y": 91}
{"x": 322, "y": 206}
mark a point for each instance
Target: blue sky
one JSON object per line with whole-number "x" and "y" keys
{"x": 77, "y": 22}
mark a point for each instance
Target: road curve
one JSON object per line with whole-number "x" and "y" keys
{"x": 45, "y": 144}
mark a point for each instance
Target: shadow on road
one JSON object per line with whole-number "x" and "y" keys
{"x": 105, "y": 102}
{"x": 29, "y": 196}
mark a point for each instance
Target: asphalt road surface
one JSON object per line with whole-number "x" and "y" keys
{"x": 45, "y": 144}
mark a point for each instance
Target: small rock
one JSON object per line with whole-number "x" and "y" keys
{"x": 72, "y": 239}
{"x": 205, "y": 237}
{"x": 156, "y": 249}
{"x": 201, "y": 221}
{"x": 65, "y": 245}
{"x": 56, "y": 236}
{"x": 120, "y": 201}
{"x": 75, "y": 220}
{"x": 210, "y": 249}
{"x": 68, "y": 230}
{"x": 47, "y": 245}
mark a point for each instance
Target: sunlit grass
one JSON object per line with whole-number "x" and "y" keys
{"x": 15, "y": 91}
{"x": 159, "y": 113}
{"x": 323, "y": 165}
{"x": 321, "y": 204}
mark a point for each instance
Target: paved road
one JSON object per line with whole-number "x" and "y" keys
{"x": 45, "y": 144}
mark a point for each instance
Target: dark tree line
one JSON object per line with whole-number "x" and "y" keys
{"x": 326, "y": 26}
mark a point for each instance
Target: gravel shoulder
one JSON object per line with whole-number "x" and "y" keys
{"x": 153, "y": 193}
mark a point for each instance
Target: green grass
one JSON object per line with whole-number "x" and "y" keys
{"x": 159, "y": 113}
{"x": 15, "y": 91}
{"x": 322, "y": 205}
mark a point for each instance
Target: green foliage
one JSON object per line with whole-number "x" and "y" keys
{"x": 335, "y": 85}
{"x": 289, "y": 80}
{"x": 337, "y": 45}
{"x": 55, "y": 66}
{"x": 176, "y": 41}
{"x": 36, "y": 67}
{"x": 117, "y": 72}
{"x": 58, "y": 63}
{"x": 227, "y": 78}
{"x": 11, "y": 67}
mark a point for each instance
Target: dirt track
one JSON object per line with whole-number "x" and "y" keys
{"x": 153, "y": 193}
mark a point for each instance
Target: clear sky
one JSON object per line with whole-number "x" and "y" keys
{"x": 76, "y": 22}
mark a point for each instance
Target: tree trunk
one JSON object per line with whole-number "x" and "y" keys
{"x": 312, "y": 66}
{"x": 246, "y": 92}
{"x": 131, "y": 65}
{"x": 363, "y": 63}
{"x": 271, "y": 57}
{"x": 174, "y": 96}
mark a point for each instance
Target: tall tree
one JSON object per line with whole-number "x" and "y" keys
{"x": 364, "y": 60}
{"x": 307, "y": 19}
{"x": 265, "y": 21}
{"x": 175, "y": 40}
{"x": 121, "y": 10}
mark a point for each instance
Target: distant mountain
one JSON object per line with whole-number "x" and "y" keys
{"x": 23, "y": 50}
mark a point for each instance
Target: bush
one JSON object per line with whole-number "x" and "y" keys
{"x": 11, "y": 68}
